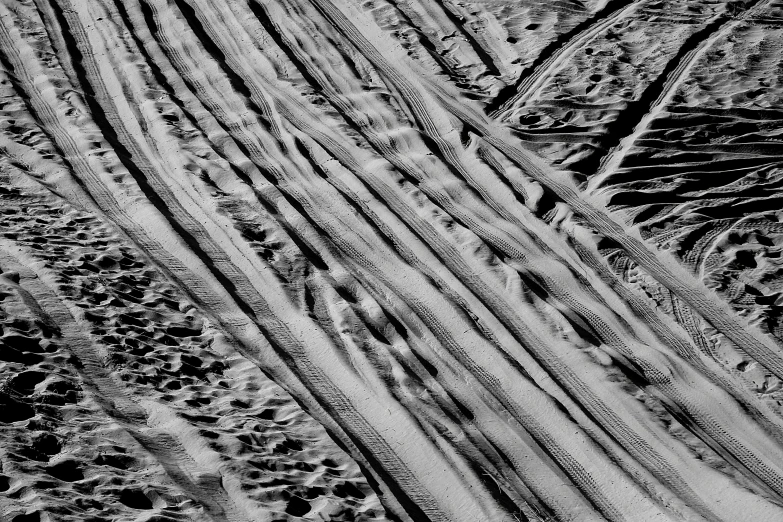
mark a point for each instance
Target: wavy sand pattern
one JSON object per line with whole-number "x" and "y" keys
{"x": 267, "y": 260}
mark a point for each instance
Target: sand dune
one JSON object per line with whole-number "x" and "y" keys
{"x": 390, "y": 260}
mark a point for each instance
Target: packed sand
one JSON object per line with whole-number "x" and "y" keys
{"x": 408, "y": 260}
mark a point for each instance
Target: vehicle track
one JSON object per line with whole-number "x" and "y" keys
{"x": 657, "y": 96}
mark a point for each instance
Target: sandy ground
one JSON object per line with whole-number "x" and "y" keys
{"x": 332, "y": 260}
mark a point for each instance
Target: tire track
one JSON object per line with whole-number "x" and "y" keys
{"x": 554, "y": 55}
{"x": 179, "y": 467}
{"x": 636, "y": 118}
{"x": 590, "y": 208}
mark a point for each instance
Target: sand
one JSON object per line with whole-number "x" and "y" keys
{"x": 333, "y": 260}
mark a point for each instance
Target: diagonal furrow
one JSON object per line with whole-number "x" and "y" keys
{"x": 314, "y": 376}
{"x": 555, "y": 55}
{"x": 621, "y": 135}
{"x": 469, "y": 35}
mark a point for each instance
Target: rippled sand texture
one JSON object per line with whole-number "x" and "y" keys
{"x": 413, "y": 260}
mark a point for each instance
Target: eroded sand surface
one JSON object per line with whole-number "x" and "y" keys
{"x": 415, "y": 260}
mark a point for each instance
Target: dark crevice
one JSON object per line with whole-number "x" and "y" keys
{"x": 315, "y": 259}
{"x": 459, "y": 78}
{"x": 561, "y": 42}
{"x": 157, "y": 73}
{"x": 236, "y": 81}
{"x": 26, "y": 100}
{"x": 636, "y": 110}
{"x": 486, "y": 58}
